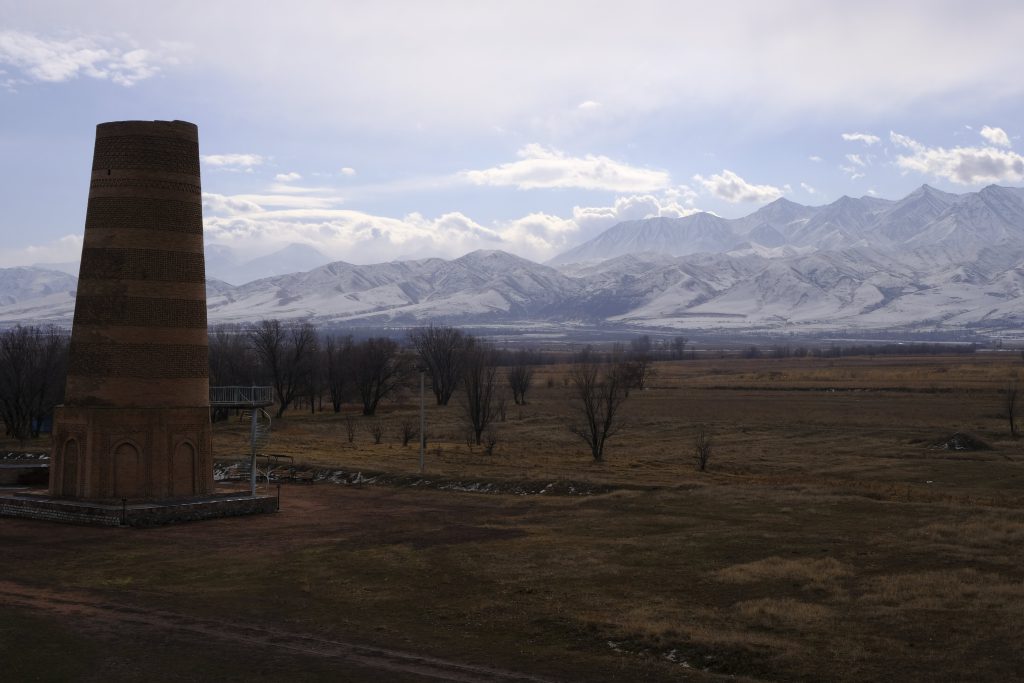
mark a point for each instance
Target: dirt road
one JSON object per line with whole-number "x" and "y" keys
{"x": 93, "y": 612}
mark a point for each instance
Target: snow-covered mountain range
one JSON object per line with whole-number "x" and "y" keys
{"x": 223, "y": 263}
{"x": 925, "y": 218}
{"x": 932, "y": 260}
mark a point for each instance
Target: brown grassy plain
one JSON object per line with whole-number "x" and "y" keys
{"x": 827, "y": 541}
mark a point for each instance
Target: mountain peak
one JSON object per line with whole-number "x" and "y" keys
{"x": 298, "y": 249}
{"x": 489, "y": 255}
{"x": 997, "y": 190}
{"x": 927, "y": 190}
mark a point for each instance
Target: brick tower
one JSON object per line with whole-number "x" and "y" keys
{"x": 135, "y": 421}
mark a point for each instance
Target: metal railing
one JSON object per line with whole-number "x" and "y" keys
{"x": 241, "y": 397}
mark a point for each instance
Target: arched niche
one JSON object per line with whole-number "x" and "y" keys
{"x": 127, "y": 470}
{"x": 69, "y": 468}
{"x": 183, "y": 469}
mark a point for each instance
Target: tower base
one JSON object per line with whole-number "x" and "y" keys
{"x": 107, "y": 454}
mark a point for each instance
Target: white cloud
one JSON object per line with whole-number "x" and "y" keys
{"x": 732, "y": 188}
{"x": 852, "y": 171}
{"x": 633, "y": 62}
{"x": 66, "y": 249}
{"x": 808, "y": 189}
{"x": 675, "y": 203}
{"x": 855, "y": 167}
{"x": 543, "y": 167}
{"x": 866, "y": 138}
{"x": 232, "y": 162}
{"x": 353, "y": 235}
{"x": 962, "y": 165}
{"x": 995, "y": 136}
{"x": 287, "y": 177}
{"x": 588, "y": 104}
{"x": 264, "y": 222}
{"x": 289, "y": 200}
{"x": 815, "y": 158}
{"x": 348, "y": 171}
{"x": 55, "y": 60}
{"x": 218, "y": 203}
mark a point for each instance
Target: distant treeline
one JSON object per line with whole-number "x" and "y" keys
{"x": 839, "y": 351}
{"x": 310, "y": 367}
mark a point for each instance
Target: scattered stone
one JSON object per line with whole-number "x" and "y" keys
{"x": 229, "y": 471}
{"x": 961, "y": 442}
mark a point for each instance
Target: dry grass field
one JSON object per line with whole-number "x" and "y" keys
{"x": 828, "y": 540}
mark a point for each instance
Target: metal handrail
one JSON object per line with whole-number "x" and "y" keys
{"x": 241, "y": 397}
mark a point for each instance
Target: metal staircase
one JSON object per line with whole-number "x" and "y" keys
{"x": 259, "y": 431}
{"x": 251, "y": 400}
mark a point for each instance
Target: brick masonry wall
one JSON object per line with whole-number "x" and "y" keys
{"x": 139, "y": 351}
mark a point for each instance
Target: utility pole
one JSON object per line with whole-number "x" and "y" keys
{"x": 423, "y": 418}
{"x": 252, "y": 440}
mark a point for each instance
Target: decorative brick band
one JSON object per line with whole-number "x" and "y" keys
{"x": 90, "y": 286}
{"x": 182, "y": 130}
{"x": 149, "y": 152}
{"x": 128, "y": 311}
{"x": 142, "y": 264}
{"x": 146, "y": 361}
{"x": 145, "y": 213}
{"x": 144, "y": 184}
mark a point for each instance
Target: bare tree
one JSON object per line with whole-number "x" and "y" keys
{"x": 678, "y": 347}
{"x": 638, "y": 363}
{"x": 287, "y": 355}
{"x": 479, "y": 379}
{"x": 442, "y": 350}
{"x": 702, "y": 448}
{"x": 33, "y": 371}
{"x": 337, "y": 359}
{"x": 521, "y": 374}
{"x": 232, "y": 362}
{"x": 378, "y": 370}
{"x": 376, "y": 431}
{"x": 314, "y": 377}
{"x": 1010, "y": 405}
{"x": 598, "y": 391}
{"x": 490, "y": 441}
{"x": 350, "y": 428}
{"x": 407, "y": 431}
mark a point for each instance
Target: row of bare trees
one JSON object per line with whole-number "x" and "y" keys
{"x": 33, "y": 368}
{"x": 304, "y": 365}
{"x": 453, "y": 359}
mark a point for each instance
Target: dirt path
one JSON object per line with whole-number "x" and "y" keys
{"x": 101, "y": 613}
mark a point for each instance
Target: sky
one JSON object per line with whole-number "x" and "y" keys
{"x": 392, "y": 130}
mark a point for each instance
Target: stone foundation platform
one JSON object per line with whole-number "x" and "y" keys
{"x": 24, "y": 473}
{"x": 145, "y": 514}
